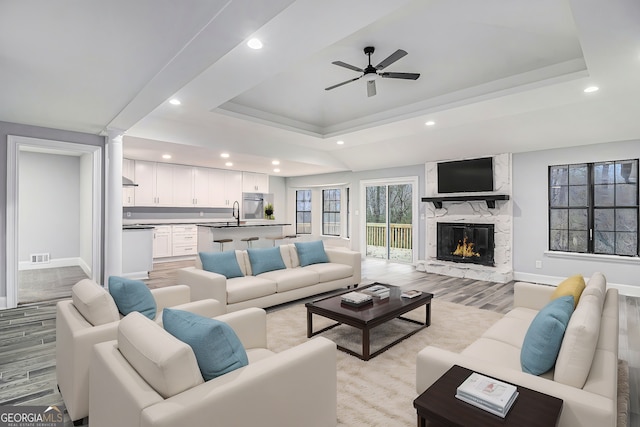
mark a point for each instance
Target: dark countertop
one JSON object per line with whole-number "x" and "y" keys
{"x": 233, "y": 225}
{"x": 138, "y": 227}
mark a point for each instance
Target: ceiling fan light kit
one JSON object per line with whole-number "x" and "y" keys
{"x": 371, "y": 73}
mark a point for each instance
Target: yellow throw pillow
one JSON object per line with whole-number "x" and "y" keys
{"x": 573, "y": 286}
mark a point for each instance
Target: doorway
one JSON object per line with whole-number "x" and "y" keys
{"x": 390, "y": 225}
{"x": 53, "y": 218}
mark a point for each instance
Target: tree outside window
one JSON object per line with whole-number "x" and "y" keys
{"x": 303, "y": 212}
{"x": 593, "y": 208}
{"x": 331, "y": 212}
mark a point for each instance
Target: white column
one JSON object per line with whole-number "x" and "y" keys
{"x": 113, "y": 205}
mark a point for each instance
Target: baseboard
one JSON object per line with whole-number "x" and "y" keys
{"x": 632, "y": 291}
{"x": 55, "y": 263}
{"x": 85, "y": 267}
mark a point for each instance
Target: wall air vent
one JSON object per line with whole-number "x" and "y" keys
{"x": 39, "y": 258}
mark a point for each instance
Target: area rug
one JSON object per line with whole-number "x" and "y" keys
{"x": 380, "y": 392}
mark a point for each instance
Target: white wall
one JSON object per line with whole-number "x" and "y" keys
{"x": 86, "y": 213}
{"x": 277, "y": 187}
{"x": 49, "y": 197}
{"x": 530, "y": 209}
{"x": 353, "y": 180}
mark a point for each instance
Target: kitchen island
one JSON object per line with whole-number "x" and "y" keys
{"x": 209, "y": 232}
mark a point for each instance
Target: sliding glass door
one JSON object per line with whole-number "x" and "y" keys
{"x": 389, "y": 227}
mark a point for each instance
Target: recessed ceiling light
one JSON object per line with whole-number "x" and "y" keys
{"x": 228, "y": 164}
{"x": 591, "y": 89}
{"x": 175, "y": 101}
{"x": 275, "y": 162}
{"x": 341, "y": 142}
{"x": 254, "y": 44}
{"x": 276, "y": 170}
{"x": 224, "y": 155}
{"x": 166, "y": 156}
{"x": 430, "y": 123}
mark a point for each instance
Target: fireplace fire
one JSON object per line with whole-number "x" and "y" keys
{"x": 467, "y": 243}
{"x": 465, "y": 249}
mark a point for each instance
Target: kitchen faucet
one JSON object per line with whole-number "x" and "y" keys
{"x": 236, "y": 211}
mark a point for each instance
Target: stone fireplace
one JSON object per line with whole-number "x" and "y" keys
{"x": 465, "y": 243}
{"x": 490, "y": 216}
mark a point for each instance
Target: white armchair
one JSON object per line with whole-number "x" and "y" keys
{"x": 91, "y": 317}
{"x": 296, "y": 387}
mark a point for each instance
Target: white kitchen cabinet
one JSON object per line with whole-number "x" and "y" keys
{"x": 225, "y": 187}
{"x": 128, "y": 193}
{"x": 184, "y": 240}
{"x": 201, "y": 187}
{"x": 182, "y": 186}
{"x": 155, "y": 184}
{"x": 255, "y": 182}
{"x": 162, "y": 241}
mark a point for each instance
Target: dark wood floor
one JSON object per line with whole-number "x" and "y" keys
{"x": 27, "y": 334}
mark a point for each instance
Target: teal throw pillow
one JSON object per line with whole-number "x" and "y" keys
{"x": 311, "y": 252}
{"x": 217, "y": 348}
{"x": 263, "y": 260}
{"x": 544, "y": 337}
{"x": 132, "y": 295}
{"x": 224, "y": 263}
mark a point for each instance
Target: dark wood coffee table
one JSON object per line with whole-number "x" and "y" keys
{"x": 439, "y": 406}
{"x": 368, "y": 317}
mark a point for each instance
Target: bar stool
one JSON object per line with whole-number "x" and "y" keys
{"x": 222, "y": 242}
{"x": 249, "y": 240}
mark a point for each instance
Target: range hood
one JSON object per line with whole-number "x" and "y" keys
{"x": 126, "y": 182}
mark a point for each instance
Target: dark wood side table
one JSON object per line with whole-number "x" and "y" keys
{"x": 439, "y": 406}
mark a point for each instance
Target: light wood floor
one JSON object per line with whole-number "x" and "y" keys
{"x": 27, "y": 334}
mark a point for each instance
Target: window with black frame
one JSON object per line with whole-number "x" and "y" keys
{"x": 303, "y": 212}
{"x": 593, "y": 208}
{"x": 331, "y": 212}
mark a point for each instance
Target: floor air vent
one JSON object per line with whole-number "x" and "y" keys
{"x": 39, "y": 258}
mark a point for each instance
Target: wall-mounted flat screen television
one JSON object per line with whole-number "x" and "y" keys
{"x": 465, "y": 176}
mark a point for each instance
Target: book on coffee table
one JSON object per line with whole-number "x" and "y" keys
{"x": 378, "y": 291}
{"x": 412, "y": 293}
{"x": 356, "y": 299}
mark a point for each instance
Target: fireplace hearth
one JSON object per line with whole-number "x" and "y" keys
{"x": 466, "y": 243}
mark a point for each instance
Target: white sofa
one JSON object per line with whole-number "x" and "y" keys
{"x": 91, "y": 317}
{"x": 274, "y": 287}
{"x": 296, "y": 387}
{"x": 585, "y": 373}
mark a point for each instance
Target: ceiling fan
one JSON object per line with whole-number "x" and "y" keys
{"x": 370, "y": 73}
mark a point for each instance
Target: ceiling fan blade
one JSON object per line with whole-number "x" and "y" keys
{"x": 407, "y": 76}
{"x": 343, "y": 83}
{"x": 349, "y": 66}
{"x": 391, "y": 59}
{"x": 371, "y": 88}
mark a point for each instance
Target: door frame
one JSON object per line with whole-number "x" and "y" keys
{"x": 14, "y": 145}
{"x": 413, "y": 180}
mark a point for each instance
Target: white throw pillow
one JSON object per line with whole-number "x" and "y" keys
{"x": 94, "y": 303}
{"x": 579, "y": 343}
{"x": 163, "y": 361}
{"x": 597, "y": 285}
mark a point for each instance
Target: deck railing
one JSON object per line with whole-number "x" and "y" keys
{"x": 399, "y": 235}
